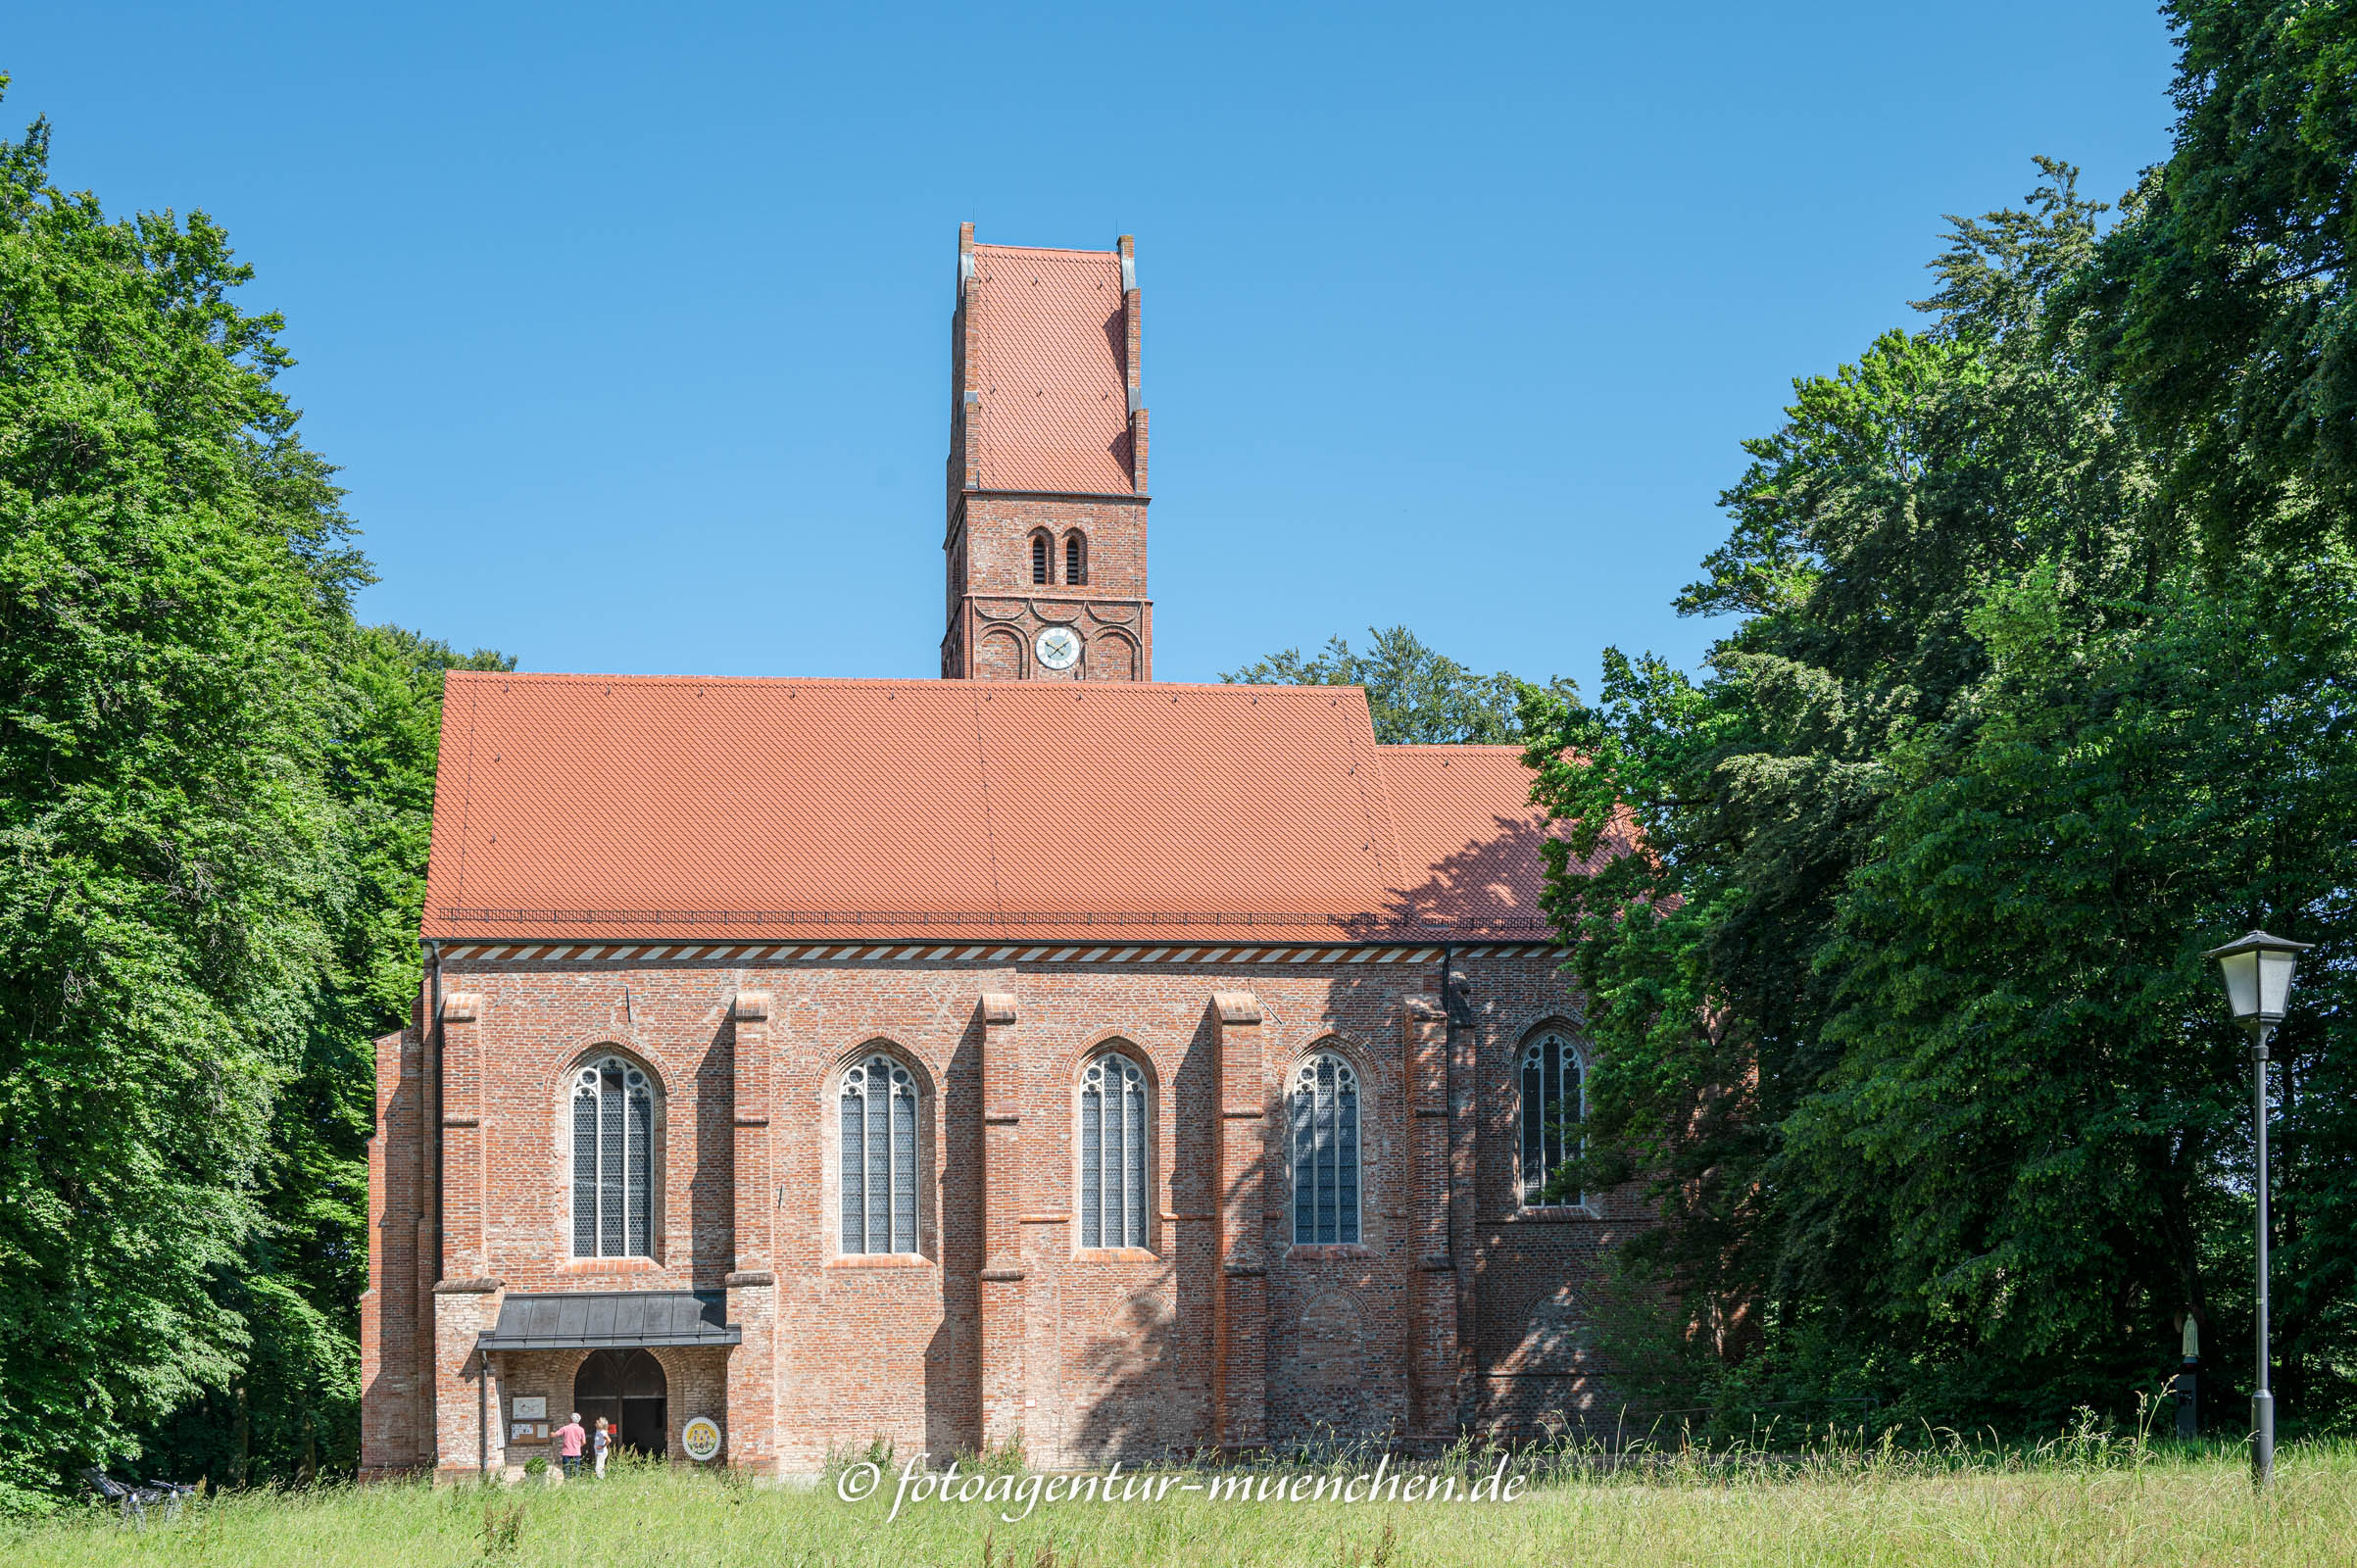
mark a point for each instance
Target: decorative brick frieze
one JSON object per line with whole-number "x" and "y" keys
{"x": 977, "y": 952}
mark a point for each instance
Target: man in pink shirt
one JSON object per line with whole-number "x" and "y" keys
{"x": 569, "y": 1438}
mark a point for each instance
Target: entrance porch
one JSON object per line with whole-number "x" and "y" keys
{"x": 649, "y": 1362}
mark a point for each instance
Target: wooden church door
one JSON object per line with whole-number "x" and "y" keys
{"x": 627, "y": 1388}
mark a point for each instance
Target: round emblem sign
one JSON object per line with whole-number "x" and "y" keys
{"x": 701, "y": 1438}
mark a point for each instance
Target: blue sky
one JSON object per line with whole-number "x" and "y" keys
{"x": 629, "y": 324}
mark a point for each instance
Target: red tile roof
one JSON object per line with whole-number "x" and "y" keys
{"x": 1049, "y": 344}
{"x": 632, "y": 806}
{"x": 1464, "y": 819}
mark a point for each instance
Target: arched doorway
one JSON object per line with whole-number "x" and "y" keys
{"x": 627, "y": 1388}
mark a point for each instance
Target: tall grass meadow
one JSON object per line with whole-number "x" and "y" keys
{"x": 2088, "y": 1495}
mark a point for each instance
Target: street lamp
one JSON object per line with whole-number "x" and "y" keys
{"x": 2257, "y": 969}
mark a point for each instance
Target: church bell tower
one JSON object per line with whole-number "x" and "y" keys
{"x": 1046, "y": 543}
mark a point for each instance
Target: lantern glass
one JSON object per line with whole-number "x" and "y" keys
{"x": 2241, "y": 971}
{"x": 2275, "y": 981}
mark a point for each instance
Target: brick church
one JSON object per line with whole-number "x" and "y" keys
{"x": 1041, "y": 1055}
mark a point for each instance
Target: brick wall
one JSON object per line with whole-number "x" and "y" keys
{"x": 395, "y": 1385}
{"x": 1112, "y": 1352}
{"x": 996, "y": 612}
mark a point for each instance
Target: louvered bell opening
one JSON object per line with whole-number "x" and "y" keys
{"x": 1039, "y": 558}
{"x": 1076, "y": 559}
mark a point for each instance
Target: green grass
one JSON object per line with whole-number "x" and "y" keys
{"x": 2118, "y": 1505}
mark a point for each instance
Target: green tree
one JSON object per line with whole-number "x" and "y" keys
{"x": 291, "y": 1411}
{"x": 1902, "y": 1013}
{"x": 2040, "y": 1121}
{"x": 1416, "y": 696}
{"x": 1865, "y": 532}
{"x": 174, "y": 570}
{"x": 215, "y": 807}
{"x": 2222, "y": 307}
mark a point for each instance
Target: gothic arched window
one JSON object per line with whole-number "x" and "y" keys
{"x": 613, "y": 1160}
{"x": 1039, "y": 558}
{"x": 1325, "y": 1151}
{"x": 1076, "y": 557}
{"x": 879, "y": 1156}
{"x": 1552, "y": 1109}
{"x": 1115, "y": 1136}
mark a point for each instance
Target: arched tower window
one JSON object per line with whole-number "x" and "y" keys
{"x": 1325, "y": 1151}
{"x": 1076, "y": 557}
{"x": 1115, "y": 1136}
{"x": 879, "y": 1156}
{"x": 1039, "y": 558}
{"x": 1553, "y": 1105}
{"x": 613, "y": 1160}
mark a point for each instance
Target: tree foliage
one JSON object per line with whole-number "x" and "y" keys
{"x": 2037, "y": 1089}
{"x": 212, "y": 798}
{"x": 2221, "y": 307}
{"x": 172, "y": 588}
{"x": 1416, "y": 696}
{"x": 292, "y": 1412}
{"x": 1902, "y": 1013}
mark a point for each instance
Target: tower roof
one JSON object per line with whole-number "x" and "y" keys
{"x": 1050, "y": 345}
{"x": 635, "y": 807}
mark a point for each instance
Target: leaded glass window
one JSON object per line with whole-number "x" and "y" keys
{"x": 1552, "y": 1109}
{"x": 879, "y": 1157}
{"x": 1113, "y": 1136}
{"x": 1324, "y": 1104}
{"x": 613, "y": 1160}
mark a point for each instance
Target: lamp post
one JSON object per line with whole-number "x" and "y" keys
{"x": 2257, "y": 970}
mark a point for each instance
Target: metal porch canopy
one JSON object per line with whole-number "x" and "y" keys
{"x": 611, "y": 1320}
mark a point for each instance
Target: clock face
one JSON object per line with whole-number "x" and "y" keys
{"x": 1058, "y": 647}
